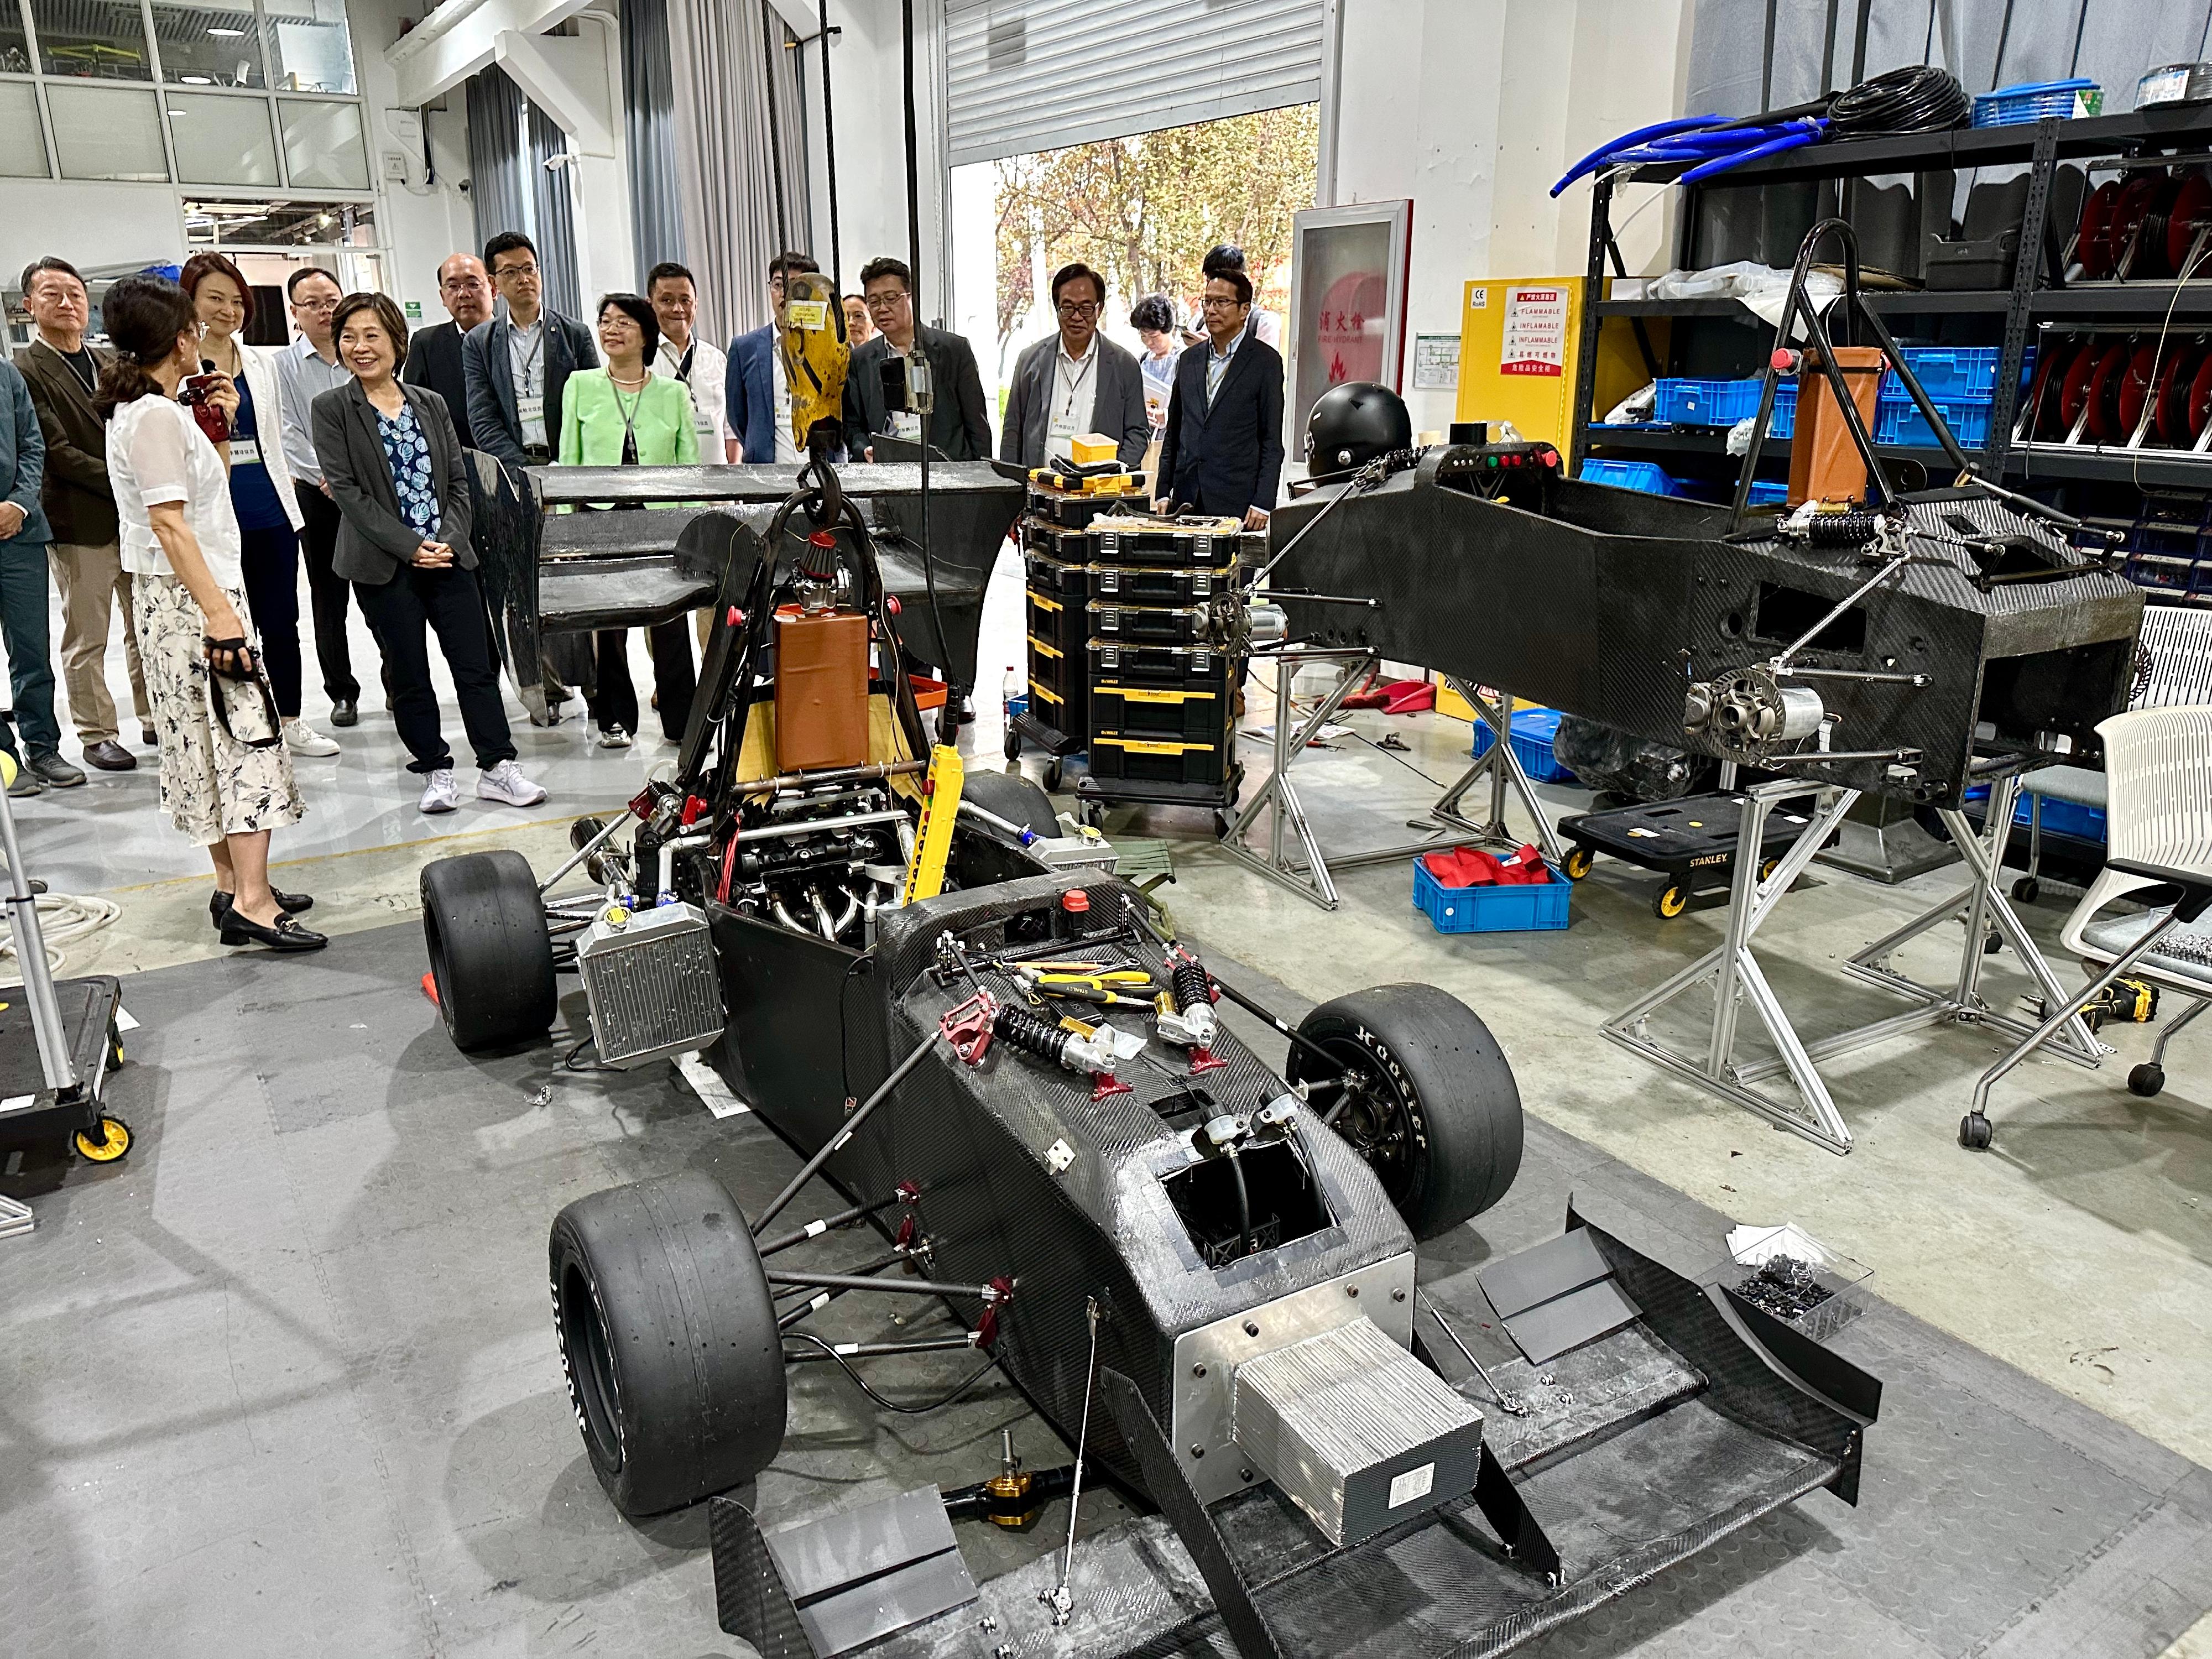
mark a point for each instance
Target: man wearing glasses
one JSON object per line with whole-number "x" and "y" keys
{"x": 756, "y": 395}
{"x": 958, "y": 429}
{"x": 1223, "y": 451}
{"x": 434, "y": 354}
{"x": 305, "y": 370}
{"x": 1075, "y": 381}
{"x": 517, "y": 365}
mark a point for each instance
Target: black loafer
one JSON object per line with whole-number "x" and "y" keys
{"x": 345, "y": 711}
{"x": 291, "y": 904}
{"x": 286, "y": 935}
{"x": 110, "y": 756}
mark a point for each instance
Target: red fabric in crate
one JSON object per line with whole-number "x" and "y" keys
{"x": 1394, "y": 697}
{"x": 1468, "y": 866}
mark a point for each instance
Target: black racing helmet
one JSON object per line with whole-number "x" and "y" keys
{"x": 1352, "y": 425}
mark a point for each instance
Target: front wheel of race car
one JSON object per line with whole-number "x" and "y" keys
{"x": 1433, "y": 1108}
{"x": 668, "y": 1335}
{"x": 491, "y": 958}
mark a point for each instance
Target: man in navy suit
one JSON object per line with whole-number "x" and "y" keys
{"x": 755, "y": 394}
{"x": 1222, "y": 450}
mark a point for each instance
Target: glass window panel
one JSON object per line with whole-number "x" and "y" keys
{"x": 15, "y": 44}
{"x": 207, "y": 46}
{"x": 22, "y": 145}
{"x": 323, "y": 144}
{"x": 309, "y": 40}
{"x": 98, "y": 39}
{"x": 106, "y": 132}
{"x": 221, "y": 141}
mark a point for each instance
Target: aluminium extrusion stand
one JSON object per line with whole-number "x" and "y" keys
{"x": 1311, "y": 877}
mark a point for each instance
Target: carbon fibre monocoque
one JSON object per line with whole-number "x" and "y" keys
{"x": 1608, "y": 603}
{"x": 976, "y": 1141}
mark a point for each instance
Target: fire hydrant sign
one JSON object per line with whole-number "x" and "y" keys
{"x": 1535, "y": 340}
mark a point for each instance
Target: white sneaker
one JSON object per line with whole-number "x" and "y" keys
{"x": 302, "y": 738}
{"x": 439, "y": 794}
{"x": 613, "y": 736}
{"x": 505, "y": 783}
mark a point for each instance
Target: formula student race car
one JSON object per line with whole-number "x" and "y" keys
{"x": 1199, "y": 1267}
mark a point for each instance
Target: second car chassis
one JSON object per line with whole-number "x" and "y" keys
{"x": 1024, "y": 1085}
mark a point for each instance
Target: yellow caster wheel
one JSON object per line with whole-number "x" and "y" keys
{"x": 1766, "y": 870}
{"x": 1674, "y": 899}
{"x": 112, "y": 1142}
{"x": 1577, "y": 862}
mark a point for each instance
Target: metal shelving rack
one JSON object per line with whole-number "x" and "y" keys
{"x": 2039, "y": 296}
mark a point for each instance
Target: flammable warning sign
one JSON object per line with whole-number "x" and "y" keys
{"x": 1535, "y": 335}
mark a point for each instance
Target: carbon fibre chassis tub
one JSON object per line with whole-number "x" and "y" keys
{"x": 1658, "y": 1439}
{"x": 1605, "y": 602}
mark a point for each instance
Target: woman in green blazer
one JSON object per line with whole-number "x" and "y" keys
{"x": 624, "y": 415}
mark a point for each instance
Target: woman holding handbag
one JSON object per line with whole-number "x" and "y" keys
{"x": 225, "y": 777}
{"x": 392, "y": 461}
{"x": 261, "y": 493}
{"x": 624, "y": 415}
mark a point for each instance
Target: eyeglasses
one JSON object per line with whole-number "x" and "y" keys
{"x": 1221, "y": 303}
{"x": 1078, "y": 309}
{"x": 330, "y": 304}
{"x": 530, "y": 271}
{"x": 886, "y": 301}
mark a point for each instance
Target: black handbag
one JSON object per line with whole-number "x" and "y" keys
{"x": 246, "y": 680}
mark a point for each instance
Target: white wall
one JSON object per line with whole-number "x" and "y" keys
{"x": 94, "y": 227}
{"x": 421, "y": 220}
{"x": 1505, "y": 95}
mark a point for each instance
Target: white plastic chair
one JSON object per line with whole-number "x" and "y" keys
{"x": 2157, "y": 769}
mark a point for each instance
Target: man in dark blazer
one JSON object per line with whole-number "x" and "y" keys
{"x": 434, "y": 354}
{"x": 1074, "y": 382}
{"x": 515, "y": 367}
{"x": 1222, "y": 450}
{"x": 760, "y": 418}
{"x": 958, "y": 427}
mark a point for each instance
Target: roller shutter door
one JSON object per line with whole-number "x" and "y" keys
{"x": 1030, "y": 75}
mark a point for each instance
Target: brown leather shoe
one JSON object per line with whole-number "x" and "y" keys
{"x": 110, "y": 756}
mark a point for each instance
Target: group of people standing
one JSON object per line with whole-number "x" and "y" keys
{"x": 185, "y": 476}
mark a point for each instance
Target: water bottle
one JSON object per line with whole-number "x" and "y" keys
{"x": 1013, "y": 693}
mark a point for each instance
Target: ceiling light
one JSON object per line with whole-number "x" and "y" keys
{"x": 194, "y": 81}
{"x": 229, "y": 34}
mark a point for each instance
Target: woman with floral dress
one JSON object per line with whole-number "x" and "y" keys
{"x": 392, "y": 460}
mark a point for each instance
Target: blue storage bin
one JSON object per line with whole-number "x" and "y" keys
{"x": 1724, "y": 402}
{"x": 2037, "y": 100}
{"x": 1902, "y": 424}
{"x": 1533, "y": 732}
{"x": 1768, "y": 492}
{"x": 1517, "y": 909}
{"x": 2060, "y": 817}
{"x": 1784, "y": 422}
{"x": 1629, "y": 475}
{"x": 1964, "y": 374}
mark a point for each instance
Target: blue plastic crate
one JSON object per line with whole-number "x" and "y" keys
{"x": 2038, "y": 100}
{"x": 2060, "y": 817}
{"x": 1724, "y": 402}
{"x": 1784, "y": 422}
{"x": 1533, "y": 732}
{"x": 1629, "y": 475}
{"x": 1768, "y": 492}
{"x": 1963, "y": 373}
{"x": 1904, "y": 424}
{"x": 1517, "y": 909}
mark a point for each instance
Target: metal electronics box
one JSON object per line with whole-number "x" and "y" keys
{"x": 1359, "y": 1433}
{"x": 653, "y": 984}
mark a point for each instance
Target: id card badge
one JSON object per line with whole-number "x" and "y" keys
{"x": 906, "y": 424}
{"x": 245, "y": 451}
{"x": 531, "y": 411}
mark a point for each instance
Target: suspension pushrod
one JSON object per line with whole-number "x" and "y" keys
{"x": 829, "y": 1224}
{"x": 874, "y": 1350}
{"x": 1252, "y": 1007}
{"x": 988, "y": 1293}
{"x": 837, "y": 1142}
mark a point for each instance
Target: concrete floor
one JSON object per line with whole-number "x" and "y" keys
{"x": 2080, "y": 1250}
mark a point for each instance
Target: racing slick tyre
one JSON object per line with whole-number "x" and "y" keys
{"x": 668, "y": 1335}
{"x": 491, "y": 958}
{"x": 1013, "y": 798}
{"x": 1435, "y": 1113}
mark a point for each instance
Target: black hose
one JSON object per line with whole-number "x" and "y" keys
{"x": 1243, "y": 1207}
{"x": 1919, "y": 98}
{"x": 860, "y": 1383}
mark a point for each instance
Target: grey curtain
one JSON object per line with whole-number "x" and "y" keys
{"x": 649, "y": 117}
{"x": 497, "y": 172}
{"x": 719, "y": 53}
{"x": 555, "y": 234}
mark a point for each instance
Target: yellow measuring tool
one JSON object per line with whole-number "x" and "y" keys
{"x": 932, "y": 842}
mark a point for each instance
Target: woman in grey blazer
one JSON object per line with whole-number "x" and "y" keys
{"x": 394, "y": 466}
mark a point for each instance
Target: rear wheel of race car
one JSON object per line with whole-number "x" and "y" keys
{"x": 491, "y": 958}
{"x": 668, "y": 1335}
{"x": 1012, "y": 797}
{"x": 1435, "y": 1111}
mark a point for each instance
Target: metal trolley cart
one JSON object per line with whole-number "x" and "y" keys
{"x": 1691, "y": 841}
{"x": 58, "y": 1040}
